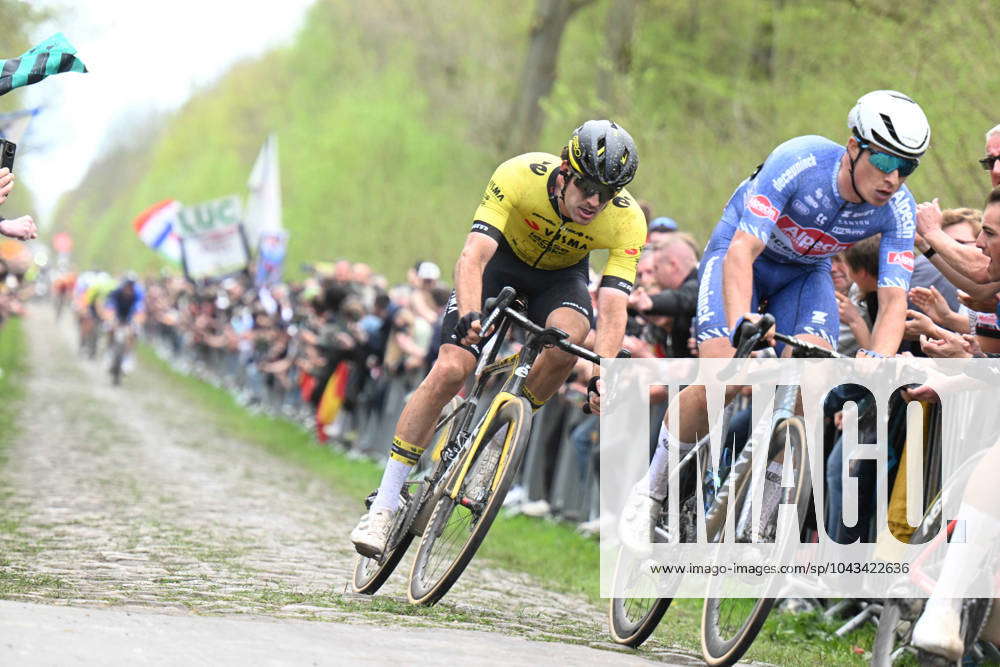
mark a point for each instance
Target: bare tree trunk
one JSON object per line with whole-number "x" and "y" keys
{"x": 620, "y": 25}
{"x": 539, "y": 74}
{"x": 762, "y": 55}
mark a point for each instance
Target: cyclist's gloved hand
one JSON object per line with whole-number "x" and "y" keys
{"x": 747, "y": 325}
{"x": 464, "y": 325}
{"x": 593, "y": 404}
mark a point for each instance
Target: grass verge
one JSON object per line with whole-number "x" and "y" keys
{"x": 549, "y": 551}
{"x": 12, "y": 372}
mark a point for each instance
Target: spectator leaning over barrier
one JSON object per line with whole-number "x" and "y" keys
{"x": 855, "y": 323}
{"x": 862, "y": 261}
{"x": 645, "y": 270}
{"x": 962, "y": 266}
{"x": 676, "y": 272}
{"x": 961, "y": 224}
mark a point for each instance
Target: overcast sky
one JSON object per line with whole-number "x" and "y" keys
{"x": 143, "y": 56}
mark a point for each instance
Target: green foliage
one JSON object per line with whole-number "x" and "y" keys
{"x": 389, "y": 112}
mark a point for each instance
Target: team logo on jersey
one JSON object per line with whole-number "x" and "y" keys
{"x": 848, "y": 230}
{"x": 905, "y": 224}
{"x": 539, "y": 168}
{"x": 631, "y": 251}
{"x": 621, "y": 202}
{"x": 762, "y": 207}
{"x": 903, "y": 259}
{"x": 533, "y": 225}
{"x": 496, "y": 191}
{"x": 793, "y": 171}
{"x": 800, "y": 207}
{"x": 809, "y": 240}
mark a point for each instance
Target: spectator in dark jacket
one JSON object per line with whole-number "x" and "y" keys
{"x": 677, "y": 276}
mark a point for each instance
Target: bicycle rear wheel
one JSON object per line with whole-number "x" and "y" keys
{"x": 730, "y": 625}
{"x": 458, "y": 525}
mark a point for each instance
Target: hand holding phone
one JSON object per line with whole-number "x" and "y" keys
{"x": 7, "y": 150}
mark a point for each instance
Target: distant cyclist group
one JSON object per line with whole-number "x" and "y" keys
{"x": 104, "y": 308}
{"x": 809, "y": 202}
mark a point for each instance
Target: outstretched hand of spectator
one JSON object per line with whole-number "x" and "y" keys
{"x": 922, "y": 393}
{"x": 949, "y": 346}
{"x": 637, "y": 347}
{"x": 6, "y": 184}
{"x": 929, "y": 217}
{"x": 985, "y": 305}
{"x": 849, "y": 313}
{"x": 931, "y": 302}
{"x": 974, "y": 347}
{"x": 22, "y": 228}
{"x": 918, "y": 324}
{"x": 639, "y": 300}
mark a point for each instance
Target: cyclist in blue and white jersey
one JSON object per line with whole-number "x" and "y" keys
{"x": 126, "y": 301}
{"x": 809, "y": 200}
{"x": 125, "y": 307}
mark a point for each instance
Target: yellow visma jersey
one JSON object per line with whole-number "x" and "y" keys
{"x": 520, "y": 205}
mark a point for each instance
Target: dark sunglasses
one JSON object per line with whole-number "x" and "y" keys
{"x": 989, "y": 161}
{"x": 888, "y": 163}
{"x": 589, "y": 188}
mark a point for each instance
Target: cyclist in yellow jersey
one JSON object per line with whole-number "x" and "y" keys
{"x": 539, "y": 219}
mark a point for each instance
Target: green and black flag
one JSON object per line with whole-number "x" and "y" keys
{"x": 53, "y": 56}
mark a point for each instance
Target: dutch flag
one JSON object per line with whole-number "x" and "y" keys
{"x": 155, "y": 227}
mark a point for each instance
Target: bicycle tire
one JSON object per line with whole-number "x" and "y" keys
{"x": 117, "y": 359}
{"x": 516, "y": 414}
{"x": 371, "y": 573}
{"x": 718, "y": 648}
{"x": 631, "y": 621}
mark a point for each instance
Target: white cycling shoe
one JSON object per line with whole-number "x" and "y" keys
{"x": 635, "y": 528}
{"x": 939, "y": 629}
{"x": 372, "y": 532}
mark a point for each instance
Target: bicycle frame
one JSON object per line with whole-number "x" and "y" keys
{"x": 517, "y": 367}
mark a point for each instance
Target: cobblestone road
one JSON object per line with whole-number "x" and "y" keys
{"x": 130, "y": 497}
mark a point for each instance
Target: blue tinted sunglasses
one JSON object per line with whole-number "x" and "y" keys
{"x": 888, "y": 163}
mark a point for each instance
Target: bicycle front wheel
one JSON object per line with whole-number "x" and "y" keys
{"x": 729, "y": 626}
{"x": 458, "y": 524}
{"x": 632, "y": 620}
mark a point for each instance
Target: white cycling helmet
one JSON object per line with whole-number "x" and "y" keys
{"x": 891, "y": 120}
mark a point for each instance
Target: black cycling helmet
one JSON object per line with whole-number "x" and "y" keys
{"x": 603, "y": 152}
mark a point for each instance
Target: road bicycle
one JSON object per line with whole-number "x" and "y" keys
{"x": 118, "y": 349}
{"x": 477, "y": 448}
{"x": 729, "y": 625}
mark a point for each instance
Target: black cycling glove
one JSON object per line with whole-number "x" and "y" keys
{"x": 465, "y": 323}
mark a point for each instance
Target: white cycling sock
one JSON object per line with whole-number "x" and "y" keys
{"x": 659, "y": 468}
{"x": 402, "y": 457}
{"x": 392, "y": 482}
